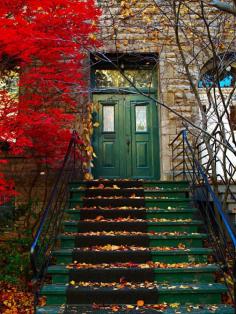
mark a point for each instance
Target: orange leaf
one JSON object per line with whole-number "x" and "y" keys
{"x": 98, "y": 218}
{"x": 140, "y": 303}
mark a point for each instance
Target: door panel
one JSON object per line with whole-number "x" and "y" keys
{"x": 141, "y": 155}
{"x": 109, "y": 154}
{"x": 106, "y": 138}
{"x": 142, "y": 140}
{"x": 126, "y": 143}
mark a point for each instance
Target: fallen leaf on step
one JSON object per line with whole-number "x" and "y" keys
{"x": 140, "y": 303}
{"x": 98, "y": 218}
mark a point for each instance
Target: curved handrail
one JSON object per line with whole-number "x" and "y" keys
{"x": 210, "y": 190}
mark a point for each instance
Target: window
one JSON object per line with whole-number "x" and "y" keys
{"x": 128, "y": 78}
{"x": 109, "y": 118}
{"x": 224, "y": 74}
{"x": 141, "y": 118}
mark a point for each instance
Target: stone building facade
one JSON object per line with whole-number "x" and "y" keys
{"x": 132, "y": 27}
{"x": 149, "y": 28}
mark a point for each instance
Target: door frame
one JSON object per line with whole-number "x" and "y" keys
{"x": 144, "y": 92}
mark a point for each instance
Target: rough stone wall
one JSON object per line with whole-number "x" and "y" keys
{"x": 133, "y": 27}
{"x": 143, "y": 27}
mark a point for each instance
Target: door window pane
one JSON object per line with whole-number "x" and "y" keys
{"x": 108, "y": 118}
{"x": 141, "y": 118}
{"x": 114, "y": 78}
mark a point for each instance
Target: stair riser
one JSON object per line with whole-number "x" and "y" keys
{"x": 106, "y": 193}
{"x": 109, "y": 214}
{"x": 118, "y": 297}
{"x": 136, "y": 257}
{"x": 129, "y": 184}
{"x": 171, "y": 259}
{"x": 170, "y": 193}
{"x": 135, "y": 276}
{"x": 80, "y": 194}
{"x": 86, "y": 227}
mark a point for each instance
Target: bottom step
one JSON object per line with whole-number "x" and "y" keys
{"x": 115, "y": 293}
{"x": 83, "y": 309}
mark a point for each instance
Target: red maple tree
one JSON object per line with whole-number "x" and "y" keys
{"x": 45, "y": 43}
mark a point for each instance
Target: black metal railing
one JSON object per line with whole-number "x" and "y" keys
{"x": 51, "y": 219}
{"x": 186, "y": 165}
{"x": 225, "y": 169}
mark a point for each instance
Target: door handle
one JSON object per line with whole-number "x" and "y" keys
{"x": 128, "y": 143}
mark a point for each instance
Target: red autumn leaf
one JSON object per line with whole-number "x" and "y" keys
{"x": 38, "y": 40}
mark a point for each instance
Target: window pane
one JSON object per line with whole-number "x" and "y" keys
{"x": 114, "y": 78}
{"x": 141, "y": 118}
{"x": 108, "y": 119}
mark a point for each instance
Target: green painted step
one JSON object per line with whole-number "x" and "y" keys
{"x": 149, "y": 202}
{"x": 192, "y": 293}
{"x": 205, "y": 274}
{"x": 166, "y": 202}
{"x": 190, "y": 309}
{"x": 189, "y": 240}
{"x": 131, "y": 183}
{"x": 80, "y": 193}
{"x": 181, "y": 193}
{"x": 192, "y": 255}
{"x": 84, "y": 226}
{"x": 180, "y": 213}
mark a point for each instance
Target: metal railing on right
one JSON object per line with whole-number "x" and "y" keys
{"x": 187, "y": 166}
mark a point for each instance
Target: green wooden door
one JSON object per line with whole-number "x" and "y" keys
{"x": 126, "y": 142}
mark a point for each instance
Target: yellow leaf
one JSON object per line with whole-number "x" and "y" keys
{"x": 88, "y": 176}
{"x": 130, "y": 307}
{"x": 174, "y": 305}
{"x": 96, "y": 124}
{"x": 92, "y": 37}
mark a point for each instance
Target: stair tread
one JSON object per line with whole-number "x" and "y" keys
{"x": 145, "y": 189}
{"x": 134, "y": 221}
{"x": 175, "y": 251}
{"x": 129, "y": 180}
{"x": 159, "y": 198}
{"x": 164, "y": 236}
{"x": 62, "y": 269}
{"x": 60, "y": 289}
{"x": 147, "y": 210}
{"x": 86, "y": 309}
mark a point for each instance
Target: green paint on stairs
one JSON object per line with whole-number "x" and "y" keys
{"x": 143, "y": 222}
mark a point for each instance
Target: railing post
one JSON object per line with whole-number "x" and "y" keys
{"x": 172, "y": 152}
{"x": 184, "y": 166}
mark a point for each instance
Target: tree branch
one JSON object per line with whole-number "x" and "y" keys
{"x": 226, "y": 7}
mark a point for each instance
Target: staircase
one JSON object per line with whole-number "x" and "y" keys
{"x": 133, "y": 247}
